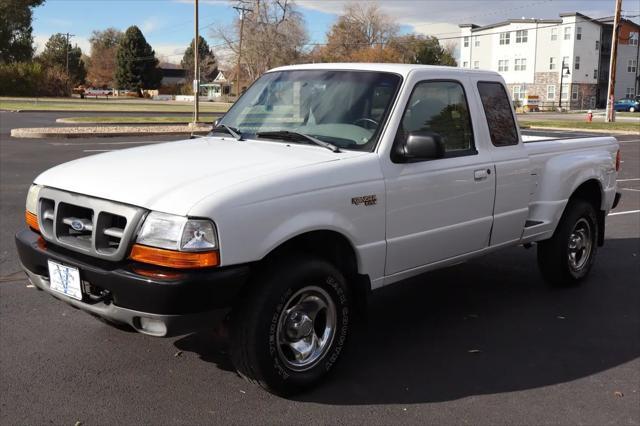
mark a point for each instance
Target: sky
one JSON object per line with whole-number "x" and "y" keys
{"x": 168, "y": 24}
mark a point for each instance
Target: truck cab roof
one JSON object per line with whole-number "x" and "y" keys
{"x": 401, "y": 69}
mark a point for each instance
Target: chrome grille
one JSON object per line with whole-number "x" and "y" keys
{"x": 87, "y": 225}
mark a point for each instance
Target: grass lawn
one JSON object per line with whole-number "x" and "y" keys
{"x": 116, "y": 105}
{"x": 131, "y": 119}
{"x": 618, "y": 125}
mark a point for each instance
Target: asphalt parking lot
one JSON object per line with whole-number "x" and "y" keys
{"x": 486, "y": 342}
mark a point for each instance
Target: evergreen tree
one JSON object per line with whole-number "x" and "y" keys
{"x": 208, "y": 64}
{"x": 136, "y": 63}
{"x": 55, "y": 55}
{"x": 16, "y": 41}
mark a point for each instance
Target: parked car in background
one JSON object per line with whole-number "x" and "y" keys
{"x": 97, "y": 92}
{"x": 627, "y": 104}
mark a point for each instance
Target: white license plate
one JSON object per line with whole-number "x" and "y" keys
{"x": 65, "y": 280}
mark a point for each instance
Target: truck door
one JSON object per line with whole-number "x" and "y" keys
{"x": 440, "y": 208}
{"x": 513, "y": 179}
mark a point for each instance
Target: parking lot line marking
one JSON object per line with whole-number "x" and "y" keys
{"x": 632, "y": 140}
{"x": 627, "y": 180}
{"x": 629, "y": 189}
{"x": 621, "y": 213}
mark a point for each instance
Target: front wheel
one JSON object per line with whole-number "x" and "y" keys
{"x": 566, "y": 258}
{"x": 292, "y": 327}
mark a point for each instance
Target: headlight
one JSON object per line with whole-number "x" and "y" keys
{"x": 178, "y": 233}
{"x": 32, "y": 198}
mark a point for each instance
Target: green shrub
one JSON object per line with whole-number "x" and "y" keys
{"x": 32, "y": 79}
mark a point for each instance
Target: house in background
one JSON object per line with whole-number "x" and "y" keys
{"x": 216, "y": 89}
{"x": 556, "y": 61}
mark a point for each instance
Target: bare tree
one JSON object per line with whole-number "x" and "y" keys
{"x": 274, "y": 35}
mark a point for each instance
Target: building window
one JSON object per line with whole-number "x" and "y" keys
{"x": 632, "y": 65}
{"x": 505, "y": 38}
{"x": 518, "y": 93}
{"x": 476, "y": 65}
{"x": 630, "y": 93}
{"x": 595, "y": 74}
{"x": 552, "y": 63}
{"x": 522, "y": 36}
{"x": 597, "y": 44}
{"x": 503, "y": 65}
{"x": 465, "y": 64}
{"x": 579, "y": 33}
{"x": 554, "y": 34}
{"x": 551, "y": 92}
{"x": 466, "y": 41}
{"x": 633, "y": 39}
{"x": 476, "y": 42}
{"x": 521, "y": 65}
{"x": 574, "y": 92}
{"x": 577, "y": 63}
{"x": 567, "y": 33}
{"x": 565, "y": 92}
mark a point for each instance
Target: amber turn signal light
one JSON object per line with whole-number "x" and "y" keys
{"x": 174, "y": 259}
{"x": 32, "y": 220}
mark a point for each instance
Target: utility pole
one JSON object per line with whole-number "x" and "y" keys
{"x": 564, "y": 67}
{"x": 242, "y": 10}
{"x": 610, "y": 117}
{"x": 66, "y": 50}
{"x": 196, "y": 68}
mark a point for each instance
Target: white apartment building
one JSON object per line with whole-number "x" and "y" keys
{"x": 530, "y": 54}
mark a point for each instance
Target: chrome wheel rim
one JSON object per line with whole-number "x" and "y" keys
{"x": 306, "y": 328}
{"x": 580, "y": 245}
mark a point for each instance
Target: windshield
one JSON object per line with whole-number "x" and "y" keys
{"x": 344, "y": 108}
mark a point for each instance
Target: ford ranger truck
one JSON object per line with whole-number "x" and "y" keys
{"x": 322, "y": 183}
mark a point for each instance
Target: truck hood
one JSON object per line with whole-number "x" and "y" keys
{"x": 172, "y": 177}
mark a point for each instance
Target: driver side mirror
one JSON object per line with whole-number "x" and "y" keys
{"x": 423, "y": 146}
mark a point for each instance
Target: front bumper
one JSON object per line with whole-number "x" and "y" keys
{"x": 153, "y": 301}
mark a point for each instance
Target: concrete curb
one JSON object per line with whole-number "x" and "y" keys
{"x": 124, "y": 123}
{"x": 34, "y": 133}
{"x": 567, "y": 129}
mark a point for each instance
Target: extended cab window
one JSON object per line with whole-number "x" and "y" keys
{"x": 440, "y": 107}
{"x": 497, "y": 109}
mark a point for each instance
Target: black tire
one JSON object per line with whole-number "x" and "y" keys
{"x": 259, "y": 322}
{"x": 554, "y": 261}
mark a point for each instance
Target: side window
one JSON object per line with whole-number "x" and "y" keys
{"x": 497, "y": 109}
{"x": 440, "y": 107}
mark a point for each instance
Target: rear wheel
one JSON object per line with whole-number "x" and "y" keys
{"x": 291, "y": 329}
{"x": 566, "y": 258}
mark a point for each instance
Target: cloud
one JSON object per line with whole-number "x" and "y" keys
{"x": 151, "y": 24}
{"x": 169, "y": 52}
{"x": 441, "y": 17}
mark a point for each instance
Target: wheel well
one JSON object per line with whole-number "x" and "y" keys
{"x": 590, "y": 192}
{"x": 336, "y": 249}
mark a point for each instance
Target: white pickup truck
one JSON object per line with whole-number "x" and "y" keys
{"x": 321, "y": 184}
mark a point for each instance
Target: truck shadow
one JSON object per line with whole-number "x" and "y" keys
{"x": 488, "y": 326}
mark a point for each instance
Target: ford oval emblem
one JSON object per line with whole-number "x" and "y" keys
{"x": 77, "y": 225}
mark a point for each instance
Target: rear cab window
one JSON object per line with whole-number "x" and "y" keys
{"x": 497, "y": 109}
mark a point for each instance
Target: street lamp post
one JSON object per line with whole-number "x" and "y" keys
{"x": 564, "y": 67}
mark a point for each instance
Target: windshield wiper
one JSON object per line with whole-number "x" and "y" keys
{"x": 233, "y": 132}
{"x": 287, "y": 135}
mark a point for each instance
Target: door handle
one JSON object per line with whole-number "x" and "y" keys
{"x": 481, "y": 174}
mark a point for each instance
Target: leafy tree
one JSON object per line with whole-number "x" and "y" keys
{"x": 102, "y": 65}
{"x": 136, "y": 63}
{"x": 206, "y": 58}
{"x": 361, "y": 33}
{"x": 420, "y": 49}
{"x": 55, "y": 55}
{"x": 16, "y": 40}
